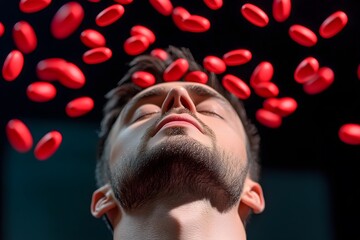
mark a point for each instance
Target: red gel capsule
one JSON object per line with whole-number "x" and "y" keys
{"x": 281, "y": 10}
{"x": 214, "y": 4}
{"x": 164, "y": 7}
{"x": 302, "y": 35}
{"x": 350, "y": 133}
{"x": 333, "y": 24}
{"x": 254, "y": 15}
{"x": 266, "y": 89}
{"x": 2, "y": 29}
{"x": 136, "y": 45}
{"x": 71, "y": 76}
{"x": 31, "y": 6}
{"x": 237, "y": 57}
{"x": 143, "y": 31}
{"x": 271, "y": 104}
{"x": 263, "y": 72}
{"x": 24, "y": 37}
{"x": 179, "y": 14}
{"x": 159, "y": 53}
{"x": 109, "y": 15}
{"x": 143, "y": 79}
{"x": 19, "y": 136}
{"x": 124, "y": 2}
{"x": 13, "y": 65}
{"x": 79, "y": 106}
{"x": 41, "y": 91}
{"x": 281, "y": 106}
{"x": 48, "y": 145}
{"x": 306, "y": 70}
{"x": 236, "y": 86}
{"x": 268, "y": 119}
{"x": 66, "y": 20}
{"x": 214, "y": 64}
{"x": 196, "y": 76}
{"x": 49, "y": 69}
{"x": 97, "y": 55}
{"x": 176, "y": 70}
{"x": 196, "y": 24}
{"x": 92, "y": 38}
{"x": 321, "y": 81}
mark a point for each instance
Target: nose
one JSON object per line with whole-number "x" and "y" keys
{"x": 178, "y": 97}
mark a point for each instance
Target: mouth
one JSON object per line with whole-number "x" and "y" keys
{"x": 178, "y": 120}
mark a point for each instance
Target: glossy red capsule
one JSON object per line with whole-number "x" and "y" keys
{"x": 237, "y": 57}
{"x": 97, "y": 55}
{"x": 31, "y": 6}
{"x": 214, "y": 4}
{"x": 13, "y": 65}
{"x": 282, "y": 106}
{"x": 254, "y": 15}
{"x": 333, "y": 24}
{"x": 109, "y": 15}
{"x": 164, "y": 7}
{"x": 159, "y": 53}
{"x": 2, "y": 29}
{"x": 214, "y": 64}
{"x": 321, "y": 81}
{"x": 136, "y": 45}
{"x": 176, "y": 70}
{"x": 266, "y": 89}
{"x": 263, "y": 72}
{"x": 49, "y": 69}
{"x": 124, "y": 2}
{"x": 24, "y": 37}
{"x": 179, "y": 14}
{"x": 236, "y": 86}
{"x": 79, "y": 106}
{"x": 268, "y": 119}
{"x": 41, "y": 91}
{"x": 197, "y": 76}
{"x": 196, "y": 23}
{"x": 350, "y": 133}
{"x": 306, "y": 70}
{"x": 143, "y": 79}
{"x": 48, "y": 145}
{"x": 19, "y": 135}
{"x": 71, "y": 76}
{"x": 302, "y": 35}
{"x": 92, "y": 38}
{"x": 281, "y": 10}
{"x": 143, "y": 31}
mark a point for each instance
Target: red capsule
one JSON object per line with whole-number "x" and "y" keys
{"x": 164, "y": 7}
{"x": 263, "y": 72}
{"x": 143, "y": 31}
{"x": 66, "y": 20}
{"x": 41, "y": 91}
{"x": 214, "y": 4}
{"x": 176, "y": 70}
{"x": 254, "y": 15}
{"x": 136, "y": 45}
{"x": 350, "y": 133}
{"x": 268, "y": 119}
{"x": 281, "y": 106}
{"x": 333, "y": 24}
{"x": 266, "y": 89}
{"x": 237, "y": 57}
{"x": 13, "y": 65}
{"x": 124, "y": 2}
{"x": 143, "y": 79}
{"x": 214, "y": 64}
{"x": 196, "y": 23}
{"x": 271, "y": 104}
{"x": 92, "y": 38}
{"x": 236, "y": 86}
{"x": 24, "y": 37}
{"x": 281, "y": 9}
{"x": 19, "y": 136}
{"x": 159, "y": 53}
{"x": 79, "y": 106}
{"x": 302, "y": 35}
{"x": 321, "y": 81}
{"x": 196, "y": 76}
{"x": 179, "y": 14}
{"x": 97, "y": 55}
{"x": 71, "y": 76}
{"x": 31, "y": 6}
{"x": 48, "y": 145}
{"x": 2, "y": 29}
{"x": 109, "y": 15}
{"x": 49, "y": 69}
{"x": 306, "y": 70}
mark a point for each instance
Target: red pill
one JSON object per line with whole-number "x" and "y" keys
{"x": 214, "y": 4}
{"x": 159, "y": 53}
{"x": 19, "y": 136}
{"x": 268, "y": 119}
{"x": 214, "y": 64}
{"x": 92, "y": 38}
{"x": 254, "y": 15}
{"x": 263, "y": 72}
{"x": 24, "y": 37}
{"x": 31, "y": 6}
{"x": 164, "y": 7}
{"x": 49, "y": 69}
{"x": 350, "y": 133}
{"x": 196, "y": 76}
{"x": 271, "y": 104}
{"x": 266, "y": 89}
{"x": 333, "y": 24}
{"x": 281, "y": 9}
{"x": 66, "y": 20}
{"x": 2, "y": 29}
{"x": 281, "y": 106}
{"x": 237, "y": 57}
{"x": 109, "y": 15}
{"x": 196, "y": 23}
{"x": 41, "y": 91}
{"x": 321, "y": 81}
{"x": 143, "y": 79}
{"x": 48, "y": 145}
{"x": 97, "y": 55}
{"x": 176, "y": 70}
{"x": 13, "y": 65}
{"x": 306, "y": 70}
{"x": 236, "y": 86}
{"x": 143, "y": 31}
{"x": 136, "y": 45}
{"x": 302, "y": 35}
{"x": 124, "y": 2}
{"x": 79, "y": 106}
{"x": 71, "y": 76}
{"x": 179, "y": 14}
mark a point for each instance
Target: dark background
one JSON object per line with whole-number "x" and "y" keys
{"x": 310, "y": 176}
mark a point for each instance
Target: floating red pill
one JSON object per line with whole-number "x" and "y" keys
{"x": 41, "y": 91}
{"x": 49, "y": 69}
{"x": 71, "y": 76}
{"x": 281, "y": 106}
{"x": 164, "y": 7}
{"x": 268, "y": 119}
{"x": 333, "y": 24}
{"x": 79, "y": 106}
{"x": 266, "y": 89}
{"x": 281, "y": 9}
{"x": 159, "y": 53}
{"x": 2, "y": 29}
{"x": 109, "y": 15}
{"x": 237, "y": 57}
{"x": 97, "y": 55}
{"x": 306, "y": 70}
{"x": 321, "y": 81}
{"x": 179, "y": 14}
{"x": 254, "y": 15}
{"x": 31, "y": 6}
{"x": 350, "y": 133}
{"x": 214, "y": 4}
{"x": 24, "y": 37}
{"x": 236, "y": 86}
{"x": 13, "y": 65}
{"x": 19, "y": 135}
{"x": 48, "y": 145}
{"x": 214, "y": 64}
{"x": 302, "y": 35}
{"x": 176, "y": 70}
{"x": 92, "y": 38}
{"x": 143, "y": 79}
{"x": 136, "y": 45}
{"x": 144, "y": 31}
{"x": 197, "y": 76}
{"x": 196, "y": 24}
{"x": 125, "y": 2}
{"x": 263, "y": 72}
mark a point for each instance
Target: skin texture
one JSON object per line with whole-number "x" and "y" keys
{"x": 178, "y": 166}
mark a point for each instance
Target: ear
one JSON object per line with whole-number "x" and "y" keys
{"x": 103, "y": 202}
{"x": 252, "y": 199}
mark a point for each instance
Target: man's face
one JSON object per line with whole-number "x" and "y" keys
{"x": 176, "y": 138}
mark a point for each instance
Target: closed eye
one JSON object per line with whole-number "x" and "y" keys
{"x": 210, "y": 113}
{"x": 144, "y": 116}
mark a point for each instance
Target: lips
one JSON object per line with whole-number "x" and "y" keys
{"x": 178, "y": 118}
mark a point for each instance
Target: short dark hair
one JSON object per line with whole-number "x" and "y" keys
{"x": 125, "y": 90}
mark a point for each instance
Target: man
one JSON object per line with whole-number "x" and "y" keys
{"x": 177, "y": 160}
